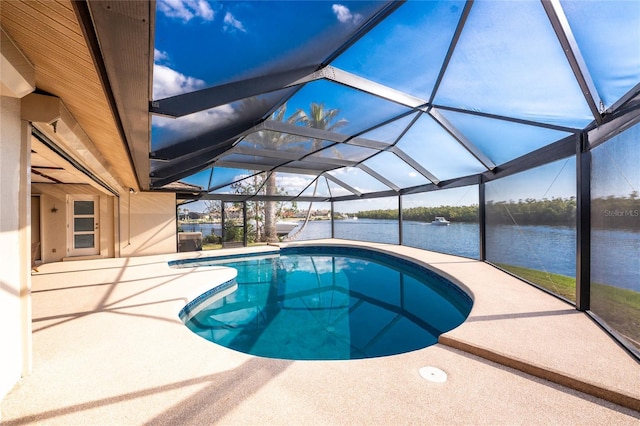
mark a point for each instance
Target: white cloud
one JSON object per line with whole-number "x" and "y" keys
{"x": 168, "y": 82}
{"x": 160, "y": 56}
{"x": 205, "y": 11}
{"x": 198, "y": 122}
{"x": 231, "y": 23}
{"x": 293, "y": 183}
{"x": 345, "y": 16}
{"x": 186, "y": 9}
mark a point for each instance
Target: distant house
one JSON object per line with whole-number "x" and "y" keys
{"x": 233, "y": 212}
{"x": 321, "y": 213}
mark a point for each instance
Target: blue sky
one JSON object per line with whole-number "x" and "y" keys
{"x": 216, "y": 42}
{"x": 517, "y": 65}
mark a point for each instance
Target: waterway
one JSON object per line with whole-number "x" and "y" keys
{"x": 615, "y": 254}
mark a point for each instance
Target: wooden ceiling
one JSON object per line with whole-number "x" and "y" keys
{"x": 50, "y": 36}
{"x": 49, "y": 167}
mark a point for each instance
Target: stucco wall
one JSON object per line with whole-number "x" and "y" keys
{"x": 54, "y": 224}
{"x": 152, "y": 229}
{"x": 13, "y": 279}
{"x": 107, "y": 235}
{"x": 53, "y": 238}
{"x": 147, "y": 224}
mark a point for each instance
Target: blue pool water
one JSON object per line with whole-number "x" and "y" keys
{"x": 328, "y": 303}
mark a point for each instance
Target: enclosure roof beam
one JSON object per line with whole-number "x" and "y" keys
{"x": 379, "y": 177}
{"x": 413, "y": 163}
{"x": 462, "y": 139}
{"x": 244, "y": 197}
{"x": 269, "y": 153}
{"x": 292, "y": 129}
{"x": 355, "y": 82}
{"x": 556, "y": 151}
{"x": 616, "y": 123}
{"x": 200, "y": 100}
{"x": 634, "y": 92}
{"x": 452, "y": 47}
{"x": 311, "y": 172}
{"x": 366, "y": 196}
{"x": 509, "y": 119}
{"x": 368, "y": 143}
{"x": 570, "y": 47}
{"x": 342, "y": 184}
{"x": 185, "y": 166}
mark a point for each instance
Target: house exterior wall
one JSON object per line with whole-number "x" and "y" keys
{"x": 147, "y": 224}
{"x": 53, "y": 238}
{"x": 108, "y": 237}
{"x": 53, "y": 242}
{"x": 149, "y": 219}
{"x": 35, "y": 224}
{"x": 131, "y": 225}
{"x": 15, "y": 243}
{"x": 137, "y": 224}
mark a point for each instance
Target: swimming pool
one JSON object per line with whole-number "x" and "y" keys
{"x": 328, "y": 303}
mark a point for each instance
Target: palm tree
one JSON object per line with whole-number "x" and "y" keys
{"x": 320, "y": 118}
{"x": 268, "y": 139}
{"x": 323, "y": 119}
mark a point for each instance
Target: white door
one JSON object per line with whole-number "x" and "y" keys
{"x": 84, "y": 229}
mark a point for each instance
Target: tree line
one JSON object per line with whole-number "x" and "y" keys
{"x": 426, "y": 214}
{"x": 557, "y": 211}
{"x": 609, "y": 212}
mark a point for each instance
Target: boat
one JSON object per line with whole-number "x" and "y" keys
{"x": 440, "y": 221}
{"x": 284, "y": 227}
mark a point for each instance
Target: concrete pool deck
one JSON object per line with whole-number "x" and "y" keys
{"x": 108, "y": 348}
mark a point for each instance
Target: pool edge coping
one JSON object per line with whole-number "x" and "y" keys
{"x": 552, "y": 375}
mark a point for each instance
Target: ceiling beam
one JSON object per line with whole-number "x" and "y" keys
{"x": 18, "y": 77}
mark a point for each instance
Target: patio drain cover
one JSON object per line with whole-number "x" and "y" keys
{"x": 433, "y": 374}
